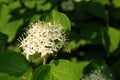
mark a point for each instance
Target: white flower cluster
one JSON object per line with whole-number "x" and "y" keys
{"x": 96, "y": 75}
{"x": 44, "y": 38}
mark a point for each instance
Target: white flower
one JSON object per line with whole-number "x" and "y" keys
{"x": 44, "y": 38}
{"x": 96, "y": 75}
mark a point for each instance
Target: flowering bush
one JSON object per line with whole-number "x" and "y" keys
{"x": 59, "y": 39}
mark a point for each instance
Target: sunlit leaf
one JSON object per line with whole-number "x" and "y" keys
{"x": 4, "y": 76}
{"x": 111, "y": 39}
{"x": 63, "y": 69}
{"x": 7, "y": 26}
{"x": 116, "y": 3}
{"x": 81, "y": 66}
{"x": 11, "y": 29}
{"x": 29, "y": 4}
{"x": 4, "y": 15}
{"x": 35, "y": 18}
{"x": 6, "y": 1}
{"x": 57, "y": 70}
{"x": 14, "y": 5}
{"x": 27, "y": 75}
{"x": 43, "y": 6}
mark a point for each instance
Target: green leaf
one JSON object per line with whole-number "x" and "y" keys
{"x": 116, "y": 3}
{"x": 34, "y": 18}
{"x": 8, "y": 26}
{"x": 15, "y": 47}
{"x": 35, "y": 59}
{"x": 11, "y": 29}
{"x": 44, "y": 6}
{"x": 29, "y": 4}
{"x": 4, "y": 76}
{"x": 13, "y": 63}
{"x": 55, "y": 16}
{"x": 57, "y": 70}
{"x": 14, "y": 5}
{"x": 27, "y": 75}
{"x": 39, "y": 5}
{"x": 64, "y": 70}
{"x": 41, "y": 72}
{"x": 81, "y": 66}
{"x": 72, "y": 45}
{"x": 4, "y": 15}
{"x": 74, "y": 41}
{"x": 5, "y": 1}
{"x": 111, "y": 39}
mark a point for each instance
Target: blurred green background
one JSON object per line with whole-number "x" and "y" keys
{"x": 95, "y": 30}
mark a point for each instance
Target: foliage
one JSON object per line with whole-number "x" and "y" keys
{"x": 93, "y": 31}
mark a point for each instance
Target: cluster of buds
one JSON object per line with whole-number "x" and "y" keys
{"x": 44, "y": 38}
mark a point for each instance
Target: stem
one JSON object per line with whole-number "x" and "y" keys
{"x": 44, "y": 60}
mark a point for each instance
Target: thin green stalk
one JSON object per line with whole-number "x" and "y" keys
{"x": 44, "y": 60}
